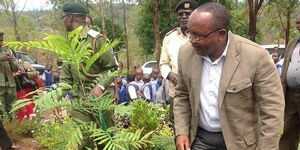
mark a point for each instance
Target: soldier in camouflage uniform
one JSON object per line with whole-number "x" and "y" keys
{"x": 7, "y": 89}
{"x": 75, "y": 16}
{"x": 8, "y": 66}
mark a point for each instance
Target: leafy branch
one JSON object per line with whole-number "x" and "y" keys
{"x": 72, "y": 48}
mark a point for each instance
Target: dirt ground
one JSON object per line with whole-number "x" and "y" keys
{"x": 27, "y": 143}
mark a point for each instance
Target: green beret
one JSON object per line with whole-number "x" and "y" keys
{"x": 1, "y": 34}
{"x": 74, "y": 8}
{"x": 187, "y": 4}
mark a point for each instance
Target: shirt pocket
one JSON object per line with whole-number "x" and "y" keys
{"x": 238, "y": 85}
{"x": 239, "y": 93}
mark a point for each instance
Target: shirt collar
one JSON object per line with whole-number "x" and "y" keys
{"x": 223, "y": 54}
{"x": 181, "y": 33}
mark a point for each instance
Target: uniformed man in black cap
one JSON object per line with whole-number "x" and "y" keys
{"x": 172, "y": 42}
{"x": 74, "y": 17}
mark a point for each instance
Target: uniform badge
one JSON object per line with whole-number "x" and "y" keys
{"x": 186, "y": 5}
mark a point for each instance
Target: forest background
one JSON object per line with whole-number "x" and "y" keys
{"x": 142, "y": 24}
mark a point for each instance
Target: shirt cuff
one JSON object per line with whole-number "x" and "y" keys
{"x": 101, "y": 87}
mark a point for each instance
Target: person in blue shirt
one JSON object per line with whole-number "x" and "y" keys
{"x": 276, "y": 57}
{"x": 121, "y": 91}
{"x": 47, "y": 76}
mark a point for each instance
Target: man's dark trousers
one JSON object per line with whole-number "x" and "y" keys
{"x": 206, "y": 140}
{"x": 290, "y": 137}
{"x": 5, "y": 142}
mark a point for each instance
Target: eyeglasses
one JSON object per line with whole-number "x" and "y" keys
{"x": 201, "y": 37}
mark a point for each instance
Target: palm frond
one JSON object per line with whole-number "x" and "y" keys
{"x": 164, "y": 142}
{"x": 48, "y": 101}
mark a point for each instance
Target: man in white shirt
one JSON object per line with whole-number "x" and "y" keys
{"x": 291, "y": 83}
{"x": 229, "y": 95}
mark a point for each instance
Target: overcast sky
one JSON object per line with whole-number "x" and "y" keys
{"x": 32, "y": 4}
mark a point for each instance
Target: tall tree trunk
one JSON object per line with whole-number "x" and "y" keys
{"x": 155, "y": 11}
{"x": 102, "y": 18}
{"x": 112, "y": 19}
{"x": 15, "y": 22}
{"x": 253, "y": 6}
{"x": 125, "y": 30}
{"x": 236, "y": 2}
{"x": 252, "y": 21}
{"x": 17, "y": 35}
{"x": 288, "y": 26}
{"x": 170, "y": 10}
{"x": 9, "y": 7}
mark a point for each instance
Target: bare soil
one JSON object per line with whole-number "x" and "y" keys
{"x": 27, "y": 143}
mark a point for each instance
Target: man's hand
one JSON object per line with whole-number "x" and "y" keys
{"x": 58, "y": 113}
{"x": 96, "y": 91}
{"x": 183, "y": 142}
{"x": 172, "y": 77}
{"x": 5, "y": 58}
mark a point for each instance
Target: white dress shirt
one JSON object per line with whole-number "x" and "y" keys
{"x": 293, "y": 72}
{"x": 209, "y": 88}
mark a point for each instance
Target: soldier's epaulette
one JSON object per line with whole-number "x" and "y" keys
{"x": 96, "y": 34}
{"x": 175, "y": 29}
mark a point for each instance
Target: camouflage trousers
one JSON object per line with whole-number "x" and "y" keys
{"x": 8, "y": 96}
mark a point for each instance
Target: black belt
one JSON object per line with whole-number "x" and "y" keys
{"x": 203, "y": 130}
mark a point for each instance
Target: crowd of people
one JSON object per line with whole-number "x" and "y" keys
{"x": 151, "y": 87}
{"x": 225, "y": 91}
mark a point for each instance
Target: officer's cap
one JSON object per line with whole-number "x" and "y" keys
{"x": 74, "y": 8}
{"x": 186, "y": 4}
{"x": 1, "y": 34}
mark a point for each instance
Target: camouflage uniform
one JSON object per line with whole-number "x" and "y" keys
{"x": 7, "y": 81}
{"x": 70, "y": 75}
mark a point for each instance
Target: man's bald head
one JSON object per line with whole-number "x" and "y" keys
{"x": 220, "y": 15}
